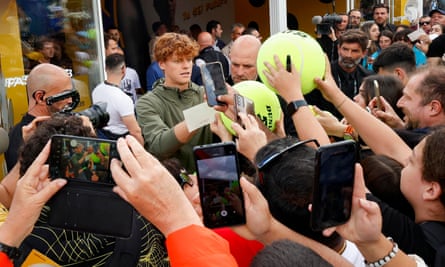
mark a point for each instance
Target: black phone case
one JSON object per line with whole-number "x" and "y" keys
{"x": 230, "y": 218}
{"x": 92, "y": 208}
{"x": 337, "y": 210}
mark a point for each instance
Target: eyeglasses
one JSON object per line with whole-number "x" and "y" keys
{"x": 185, "y": 178}
{"x": 423, "y": 23}
{"x": 275, "y": 156}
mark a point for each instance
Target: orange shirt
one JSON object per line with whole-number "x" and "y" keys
{"x": 197, "y": 246}
{"x": 4, "y": 260}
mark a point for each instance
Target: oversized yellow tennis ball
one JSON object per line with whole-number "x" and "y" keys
{"x": 305, "y": 52}
{"x": 266, "y": 104}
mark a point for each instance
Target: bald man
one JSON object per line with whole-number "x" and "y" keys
{"x": 243, "y": 57}
{"x": 44, "y": 80}
{"x": 208, "y": 54}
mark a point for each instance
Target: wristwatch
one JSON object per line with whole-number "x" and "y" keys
{"x": 293, "y": 106}
{"x": 11, "y": 252}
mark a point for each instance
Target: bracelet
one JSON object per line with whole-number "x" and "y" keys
{"x": 387, "y": 258}
{"x": 342, "y": 102}
{"x": 348, "y": 133}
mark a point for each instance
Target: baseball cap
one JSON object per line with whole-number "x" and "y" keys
{"x": 437, "y": 6}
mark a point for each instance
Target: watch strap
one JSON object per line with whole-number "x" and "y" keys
{"x": 293, "y": 106}
{"x": 11, "y": 252}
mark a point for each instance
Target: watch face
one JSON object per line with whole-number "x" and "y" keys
{"x": 293, "y": 106}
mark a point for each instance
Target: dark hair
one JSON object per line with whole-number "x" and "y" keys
{"x": 287, "y": 186}
{"x": 402, "y": 36}
{"x": 41, "y": 42}
{"x": 212, "y": 24}
{"x": 386, "y": 33}
{"x": 114, "y": 61}
{"x": 391, "y": 89}
{"x": 397, "y": 55}
{"x": 432, "y": 86}
{"x": 156, "y": 25}
{"x": 286, "y": 253}
{"x": 382, "y": 178}
{"x": 249, "y": 31}
{"x": 366, "y": 28}
{"x": 380, "y": 6}
{"x": 434, "y": 159}
{"x": 354, "y": 9}
{"x": 354, "y": 36}
{"x": 57, "y": 124}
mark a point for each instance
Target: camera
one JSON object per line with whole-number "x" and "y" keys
{"x": 97, "y": 114}
{"x": 325, "y": 23}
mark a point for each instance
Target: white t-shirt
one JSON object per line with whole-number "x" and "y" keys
{"x": 119, "y": 105}
{"x": 353, "y": 255}
{"x": 130, "y": 83}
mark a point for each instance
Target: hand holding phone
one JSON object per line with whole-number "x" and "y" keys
{"x": 214, "y": 82}
{"x": 219, "y": 188}
{"x": 243, "y": 105}
{"x": 333, "y": 184}
{"x": 377, "y": 95}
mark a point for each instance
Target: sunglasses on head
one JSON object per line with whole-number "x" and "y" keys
{"x": 274, "y": 157}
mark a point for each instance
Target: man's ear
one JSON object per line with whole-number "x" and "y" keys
{"x": 400, "y": 73}
{"x": 435, "y": 108}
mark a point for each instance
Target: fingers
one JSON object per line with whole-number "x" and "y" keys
{"x": 50, "y": 189}
{"x": 250, "y": 192}
{"x": 370, "y": 207}
{"x": 359, "y": 182}
{"x": 33, "y": 172}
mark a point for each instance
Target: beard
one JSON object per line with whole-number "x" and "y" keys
{"x": 348, "y": 63}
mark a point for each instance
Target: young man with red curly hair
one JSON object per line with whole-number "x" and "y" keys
{"x": 160, "y": 112}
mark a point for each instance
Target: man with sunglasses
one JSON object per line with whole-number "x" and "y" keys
{"x": 44, "y": 82}
{"x": 425, "y": 23}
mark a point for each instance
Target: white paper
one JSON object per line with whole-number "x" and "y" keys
{"x": 199, "y": 116}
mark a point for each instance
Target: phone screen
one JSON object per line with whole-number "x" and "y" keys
{"x": 81, "y": 158}
{"x": 243, "y": 105}
{"x": 333, "y": 184}
{"x": 213, "y": 81}
{"x": 218, "y": 179}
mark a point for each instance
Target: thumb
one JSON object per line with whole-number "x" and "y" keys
{"x": 370, "y": 207}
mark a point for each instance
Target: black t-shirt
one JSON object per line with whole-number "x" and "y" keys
{"x": 437, "y": 47}
{"x": 16, "y": 140}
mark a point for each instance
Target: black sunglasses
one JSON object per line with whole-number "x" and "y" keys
{"x": 275, "y": 156}
{"x": 423, "y": 23}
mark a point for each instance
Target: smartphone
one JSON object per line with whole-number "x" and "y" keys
{"x": 333, "y": 184}
{"x": 218, "y": 181}
{"x": 84, "y": 159}
{"x": 377, "y": 94}
{"x": 214, "y": 82}
{"x": 243, "y": 105}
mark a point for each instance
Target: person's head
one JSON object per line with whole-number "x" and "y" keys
{"x": 341, "y": 26}
{"x": 437, "y": 14}
{"x": 382, "y": 178}
{"x": 159, "y": 28}
{"x": 174, "y": 52}
{"x": 390, "y": 88}
{"x": 204, "y": 40}
{"x": 43, "y": 81}
{"x": 195, "y": 30}
{"x": 397, "y": 59}
{"x": 402, "y": 36}
{"x": 214, "y": 28}
{"x": 115, "y": 65}
{"x": 355, "y": 17}
{"x": 380, "y": 13}
{"x": 351, "y": 49}
{"x": 371, "y": 29}
{"x": 57, "y": 124}
{"x": 423, "y": 99}
{"x": 243, "y": 56}
{"x": 437, "y": 29}
{"x": 111, "y": 45}
{"x": 286, "y": 253}
{"x": 287, "y": 184}
{"x": 114, "y": 33}
{"x": 385, "y": 39}
{"x": 254, "y": 32}
{"x": 46, "y": 47}
{"x": 237, "y": 31}
{"x": 402, "y": 27}
{"x": 425, "y": 23}
{"x": 423, "y": 178}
